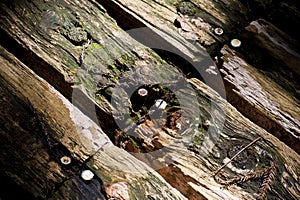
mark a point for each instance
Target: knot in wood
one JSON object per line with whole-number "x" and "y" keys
{"x": 246, "y": 159}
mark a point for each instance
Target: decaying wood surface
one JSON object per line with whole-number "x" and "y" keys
{"x": 278, "y": 48}
{"x": 82, "y": 60}
{"x": 77, "y": 136}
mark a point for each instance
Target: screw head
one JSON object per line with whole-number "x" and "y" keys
{"x": 65, "y": 160}
{"x": 87, "y": 175}
{"x": 218, "y": 31}
{"x": 235, "y": 43}
{"x": 142, "y": 92}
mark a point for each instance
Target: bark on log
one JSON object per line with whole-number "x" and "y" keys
{"x": 81, "y": 51}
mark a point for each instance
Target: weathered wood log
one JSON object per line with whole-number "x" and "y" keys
{"x": 33, "y": 119}
{"x": 275, "y": 109}
{"x": 51, "y": 99}
{"x": 233, "y": 17}
{"x": 65, "y": 124}
{"x": 78, "y": 44}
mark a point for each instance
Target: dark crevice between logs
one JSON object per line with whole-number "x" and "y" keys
{"x": 37, "y": 64}
{"x": 16, "y": 191}
{"x": 85, "y": 189}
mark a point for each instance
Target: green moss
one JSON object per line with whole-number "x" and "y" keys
{"x": 80, "y": 23}
{"x": 187, "y": 8}
{"x": 95, "y": 45}
{"x": 127, "y": 59}
{"x": 197, "y": 140}
{"x": 79, "y": 48}
{"x": 115, "y": 69}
